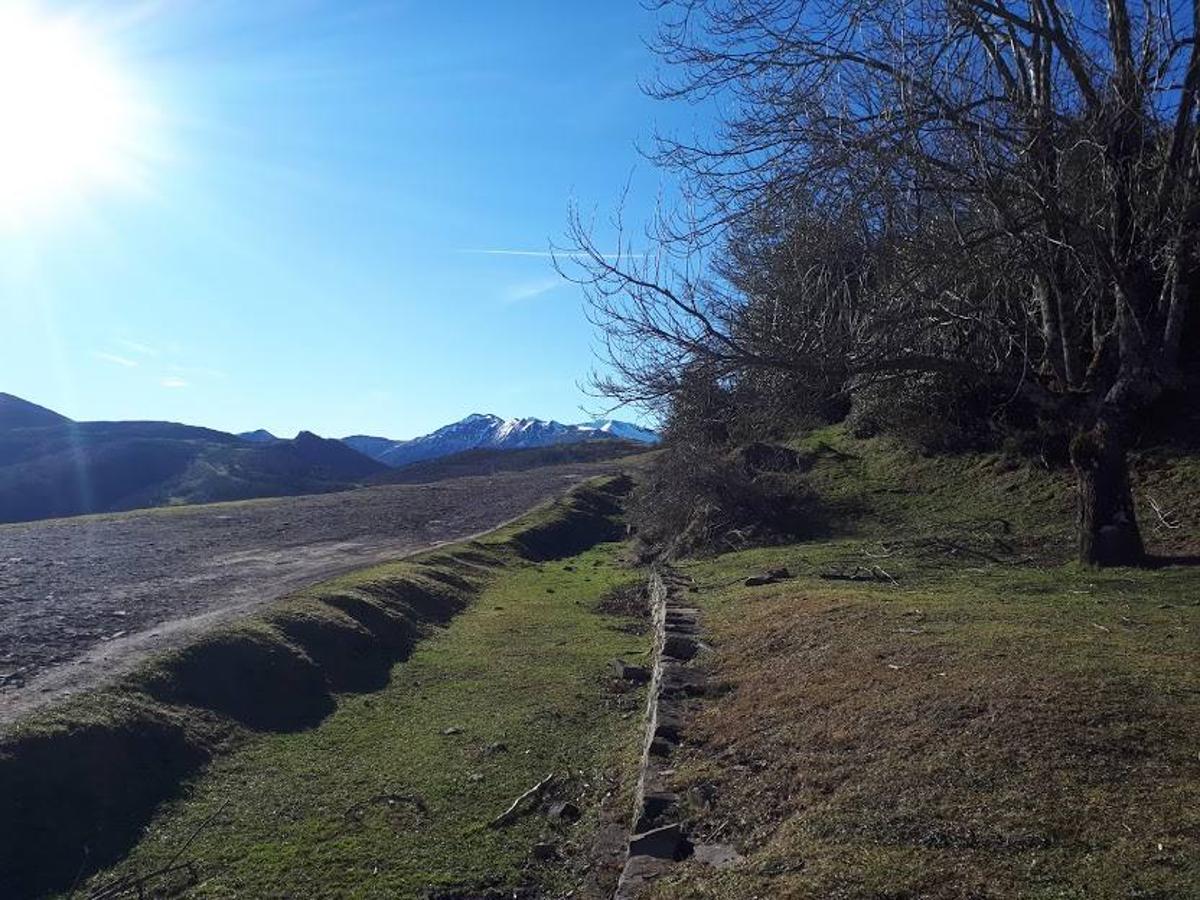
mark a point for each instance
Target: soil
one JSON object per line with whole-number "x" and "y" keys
{"x": 82, "y": 600}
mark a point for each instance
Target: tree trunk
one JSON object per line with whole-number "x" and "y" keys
{"x": 1108, "y": 528}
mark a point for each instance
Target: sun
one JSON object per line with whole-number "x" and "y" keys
{"x": 68, "y": 119}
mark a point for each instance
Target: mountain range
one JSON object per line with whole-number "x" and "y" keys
{"x": 52, "y": 466}
{"x": 480, "y": 431}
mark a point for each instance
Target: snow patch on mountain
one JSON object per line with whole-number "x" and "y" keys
{"x": 624, "y": 430}
{"x": 481, "y": 430}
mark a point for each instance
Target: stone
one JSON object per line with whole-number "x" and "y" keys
{"x": 666, "y": 842}
{"x": 565, "y": 811}
{"x": 453, "y": 729}
{"x": 719, "y": 856}
{"x": 780, "y": 572}
{"x": 685, "y": 631}
{"x": 655, "y": 807}
{"x": 544, "y": 852}
{"x": 638, "y": 873}
{"x": 631, "y": 673}
{"x": 680, "y": 646}
{"x": 758, "y": 580}
{"x": 653, "y": 782}
{"x": 680, "y": 681}
{"x": 667, "y": 728}
{"x": 659, "y": 747}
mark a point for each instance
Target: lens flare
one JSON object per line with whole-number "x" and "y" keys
{"x": 68, "y": 119}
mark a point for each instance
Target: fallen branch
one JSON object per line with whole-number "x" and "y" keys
{"x": 860, "y": 573}
{"x": 515, "y": 811}
{"x": 887, "y": 551}
{"x": 952, "y": 548}
{"x": 134, "y": 884}
{"x": 1164, "y": 518}
{"x": 138, "y": 883}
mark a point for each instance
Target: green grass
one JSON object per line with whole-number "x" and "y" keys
{"x": 877, "y": 488}
{"x": 526, "y": 667}
{"x": 82, "y": 778}
{"x": 989, "y": 721}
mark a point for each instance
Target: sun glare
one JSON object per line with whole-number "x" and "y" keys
{"x": 67, "y": 117}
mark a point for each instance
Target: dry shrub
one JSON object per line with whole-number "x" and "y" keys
{"x": 700, "y": 499}
{"x": 934, "y": 413}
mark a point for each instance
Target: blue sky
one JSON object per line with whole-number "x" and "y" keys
{"x": 299, "y": 248}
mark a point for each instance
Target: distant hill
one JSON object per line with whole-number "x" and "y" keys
{"x": 374, "y": 447}
{"x": 51, "y": 466}
{"x": 479, "y": 431}
{"x": 258, "y": 436}
{"x": 489, "y": 461}
{"x": 18, "y": 413}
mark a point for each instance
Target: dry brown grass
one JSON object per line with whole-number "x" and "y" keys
{"x": 978, "y": 730}
{"x": 871, "y": 747}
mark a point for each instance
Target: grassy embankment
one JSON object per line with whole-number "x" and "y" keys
{"x": 982, "y": 718}
{"x": 356, "y": 739}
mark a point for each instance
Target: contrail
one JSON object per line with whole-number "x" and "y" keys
{"x": 547, "y": 254}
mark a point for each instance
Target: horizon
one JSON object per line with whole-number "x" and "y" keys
{"x": 338, "y": 222}
{"x": 292, "y": 435}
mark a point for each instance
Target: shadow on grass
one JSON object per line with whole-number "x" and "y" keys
{"x": 250, "y": 676}
{"x": 1164, "y": 562}
{"x": 75, "y": 799}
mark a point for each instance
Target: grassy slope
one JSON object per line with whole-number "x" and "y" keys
{"x": 321, "y": 812}
{"x": 999, "y": 723}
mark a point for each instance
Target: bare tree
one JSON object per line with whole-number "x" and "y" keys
{"x": 1014, "y": 186}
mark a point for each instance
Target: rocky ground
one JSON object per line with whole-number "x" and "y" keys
{"x": 82, "y": 599}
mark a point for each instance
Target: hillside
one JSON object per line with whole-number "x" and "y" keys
{"x": 491, "y": 461}
{"x": 18, "y": 413}
{"x": 259, "y": 435}
{"x": 50, "y": 466}
{"x": 928, "y": 699}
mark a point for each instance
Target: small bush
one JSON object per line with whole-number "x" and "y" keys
{"x": 699, "y": 499}
{"x": 934, "y": 413}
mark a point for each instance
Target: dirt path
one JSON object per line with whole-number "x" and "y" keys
{"x": 82, "y": 600}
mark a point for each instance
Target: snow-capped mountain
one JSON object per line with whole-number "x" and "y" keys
{"x": 624, "y": 430}
{"x": 479, "y": 430}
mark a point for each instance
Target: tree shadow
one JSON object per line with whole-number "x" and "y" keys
{"x": 1167, "y": 561}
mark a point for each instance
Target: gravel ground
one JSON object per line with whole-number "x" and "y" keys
{"x": 82, "y": 600}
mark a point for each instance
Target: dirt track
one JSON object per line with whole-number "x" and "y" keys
{"x": 82, "y": 600}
